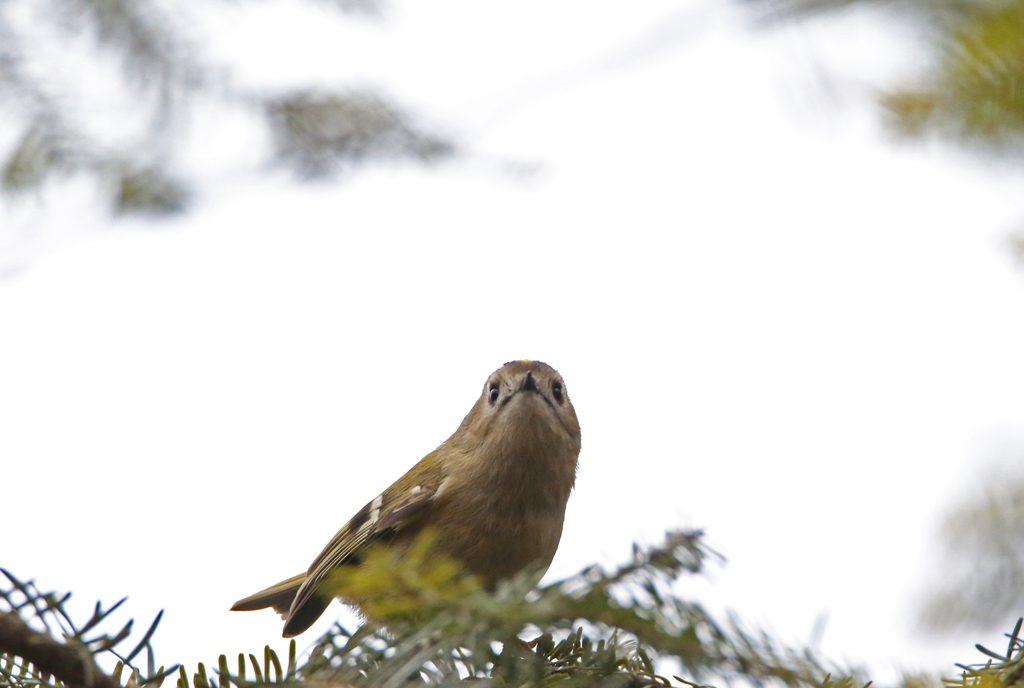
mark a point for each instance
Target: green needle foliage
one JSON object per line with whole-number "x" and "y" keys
{"x": 1001, "y": 670}
{"x": 428, "y": 625}
{"x": 596, "y": 628}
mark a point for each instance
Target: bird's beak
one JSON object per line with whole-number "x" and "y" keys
{"x": 528, "y": 384}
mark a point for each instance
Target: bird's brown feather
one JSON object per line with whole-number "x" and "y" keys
{"x": 393, "y": 513}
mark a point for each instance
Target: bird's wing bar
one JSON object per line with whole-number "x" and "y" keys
{"x": 392, "y": 511}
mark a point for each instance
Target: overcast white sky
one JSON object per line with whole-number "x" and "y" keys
{"x": 775, "y": 324}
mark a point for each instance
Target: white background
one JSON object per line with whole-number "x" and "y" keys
{"x": 776, "y": 323}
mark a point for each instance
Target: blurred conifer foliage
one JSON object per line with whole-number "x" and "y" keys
{"x": 982, "y": 573}
{"x": 105, "y": 89}
{"x": 971, "y": 90}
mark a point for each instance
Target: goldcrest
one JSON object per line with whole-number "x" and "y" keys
{"x": 494, "y": 494}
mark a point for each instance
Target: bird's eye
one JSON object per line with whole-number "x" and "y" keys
{"x": 556, "y": 392}
{"x": 492, "y": 395}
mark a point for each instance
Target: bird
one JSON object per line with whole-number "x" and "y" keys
{"x": 494, "y": 494}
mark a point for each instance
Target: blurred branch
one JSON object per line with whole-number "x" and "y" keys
{"x": 66, "y": 663}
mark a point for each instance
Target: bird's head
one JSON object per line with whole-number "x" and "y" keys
{"x": 524, "y": 409}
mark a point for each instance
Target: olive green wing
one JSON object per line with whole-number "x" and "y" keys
{"x": 398, "y": 508}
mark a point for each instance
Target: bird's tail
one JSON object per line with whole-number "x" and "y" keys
{"x": 278, "y": 596}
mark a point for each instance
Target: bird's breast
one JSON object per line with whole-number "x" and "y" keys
{"x": 498, "y": 543}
